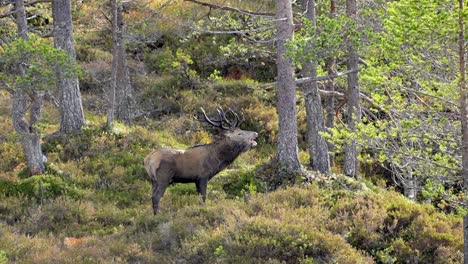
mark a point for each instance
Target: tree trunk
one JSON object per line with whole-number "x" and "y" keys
{"x": 354, "y": 110}
{"x": 318, "y": 147}
{"x": 329, "y": 101}
{"x": 124, "y": 107}
{"x": 288, "y": 157}
{"x": 71, "y": 109}
{"x": 29, "y": 134}
{"x": 115, "y": 56}
{"x": 409, "y": 186}
{"x": 21, "y": 22}
{"x": 464, "y": 120}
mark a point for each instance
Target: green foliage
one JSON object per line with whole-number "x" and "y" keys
{"x": 3, "y": 257}
{"x": 38, "y": 187}
{"x": 242, "y": 184}
{"x": 31, "y": 64}
{"x": 315, "y": 43}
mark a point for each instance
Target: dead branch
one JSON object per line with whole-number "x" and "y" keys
{"x": 237, "y": 31}
{"x": 233, "y": 9}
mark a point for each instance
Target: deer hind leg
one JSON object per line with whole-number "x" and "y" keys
{"x": 202, "y": 185}
{"x": 158, "y": 192}
{"x": 160, "y": 183}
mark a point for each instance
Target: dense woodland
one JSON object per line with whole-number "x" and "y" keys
{"x": 360, "y": 108}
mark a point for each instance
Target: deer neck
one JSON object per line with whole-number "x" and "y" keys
{"x": 225, "y": 152}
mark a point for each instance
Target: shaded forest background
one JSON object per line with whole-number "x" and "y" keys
{"x": 378, "y": 172}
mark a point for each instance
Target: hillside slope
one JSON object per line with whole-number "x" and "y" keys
{"x": 94, "y": 206}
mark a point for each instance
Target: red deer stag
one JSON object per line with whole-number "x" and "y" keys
{"x": 199, "y": 164}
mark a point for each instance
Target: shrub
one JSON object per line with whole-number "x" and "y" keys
{"x": 12, "y": 156}
{"x": 38, "y": 187}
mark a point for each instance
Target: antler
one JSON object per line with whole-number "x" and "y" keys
{"x": 223, "y": 119}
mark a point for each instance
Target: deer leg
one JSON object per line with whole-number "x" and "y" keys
{"x": 158, "y": 192}
{"x": 153, "y": 197}
{"x": 202, "y": 184}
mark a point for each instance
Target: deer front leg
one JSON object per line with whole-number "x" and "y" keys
{"x": 202, "y": 185}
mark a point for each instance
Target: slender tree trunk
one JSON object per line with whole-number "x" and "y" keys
{"x": 329, "y": 101}
{"x": 124, "y": 90}
{"x": 124, "y": 103}
{"x": 464, "y": 120}
{"x": 115, "y": 62}
{"x": 29, "y": 134}
{"x": 409, "y": 186}
{"x": 354, "y": 110}
{"x": 318, "y": 147}
{"x": 21, "y": 22}
{"x": 71, "y": 109}
{"x": 288, "y": 157}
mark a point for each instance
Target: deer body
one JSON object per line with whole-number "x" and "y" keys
{"x": 198, "y": 164}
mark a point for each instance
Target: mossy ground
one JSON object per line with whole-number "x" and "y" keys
{"x": 94, "y": 205}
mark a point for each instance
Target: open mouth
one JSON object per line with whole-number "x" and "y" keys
{"x": 253, "y": 143}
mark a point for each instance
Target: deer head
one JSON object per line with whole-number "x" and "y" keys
{"x": 229, "y": 129}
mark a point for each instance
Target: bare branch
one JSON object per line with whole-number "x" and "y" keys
{"x": 237, "y": 31}
{"x": 328, "y": 77}
{"x": 233, "y": 9}
{"x": 361, "y": 95}
{"x": 318, "y": 78}
{"x": 7, "y": 87}
{"x": 52, "y": 98}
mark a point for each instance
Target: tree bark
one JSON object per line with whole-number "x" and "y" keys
{"x": 71, "y": 110}
{"x": 409, "y": 186}
{"x": 124, "y": 90}
{"x": 122, "y": 103}
{"x": 329, "y": 102}
{"x": 318, "y": 148}
{"x": 288, "y": 157}
{"x": 351, "y": 164}
{"x": 464, "y": 120}
{"x": 29, "y": 134}
{"x": 115, "y": 56}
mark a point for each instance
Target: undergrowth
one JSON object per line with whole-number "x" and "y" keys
{"x": 94, "y": 206}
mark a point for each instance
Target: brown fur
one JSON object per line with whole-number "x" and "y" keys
{"x": 197, "y": 164}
